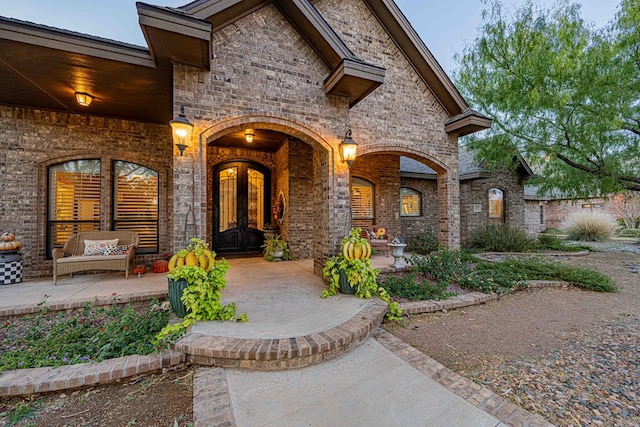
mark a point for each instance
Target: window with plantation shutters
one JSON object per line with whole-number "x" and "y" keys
{"x": 362, "y": 197}
{"x": 74, "y": 200}
{"x": 78, "y": 201}
{"x": 496, "y": 206}
{"x": 135, "y": 203}
{"x": 410, "y": 202}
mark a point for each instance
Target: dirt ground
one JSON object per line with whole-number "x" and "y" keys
{"x": 570, "y": 355}
{"x": 163, "y": 399}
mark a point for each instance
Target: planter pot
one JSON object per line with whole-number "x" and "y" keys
{"x": 277, "y": 254}
{"x": 176, "y": 288}
{"x": 345, "y": 287}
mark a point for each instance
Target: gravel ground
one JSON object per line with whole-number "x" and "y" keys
{"x": 569, "y": 355}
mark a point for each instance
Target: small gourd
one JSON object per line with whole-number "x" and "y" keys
{"x": 139, "y": 269}
{"x": 160, "y": 266}
{"x": 8, "y": 236}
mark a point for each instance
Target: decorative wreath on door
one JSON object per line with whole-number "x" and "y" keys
{"x": 279, "y": 209}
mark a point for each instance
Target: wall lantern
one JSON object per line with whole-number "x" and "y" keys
{"x": 182, "y": 130}
{"x": 248, "y": 136}
{"x": 84, "y": 99}
{"x": 348, "y": 149}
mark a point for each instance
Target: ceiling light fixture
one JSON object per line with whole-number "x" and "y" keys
{"x": 248, "y": 136}
{"x": 84, "y": 99}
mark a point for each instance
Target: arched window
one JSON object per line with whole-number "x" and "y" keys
{"x": 410, "y": 202}
{"x": 135, "y": 203}
{"x": 496, "y": 206}
{"x": 76, "y": 197}
{"x": 362, "y": 197}
{"x": 73, "y": 200}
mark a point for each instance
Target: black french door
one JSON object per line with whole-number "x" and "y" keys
{"x": 241, "y": 206}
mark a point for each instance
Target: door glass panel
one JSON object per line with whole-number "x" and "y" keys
{"x": 255, "y": 199}
{"x": 228, "y": 192}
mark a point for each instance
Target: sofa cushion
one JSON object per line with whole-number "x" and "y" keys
{"x": 97, "y": 247}
{"x": 111, "y": 250}
{"x": 89, "y": 258}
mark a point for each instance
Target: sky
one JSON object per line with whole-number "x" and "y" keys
{"x": 445, "y": 29}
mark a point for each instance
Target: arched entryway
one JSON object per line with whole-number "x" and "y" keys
{"x": 241, "y": 206}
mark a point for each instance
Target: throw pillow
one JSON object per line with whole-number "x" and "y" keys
{"x": 116, "y": 250}
{"x": 97, "y": 247}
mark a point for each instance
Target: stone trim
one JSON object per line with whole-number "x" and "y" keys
{"x": 212, "y": 404}
{"x": 19, "y": 310}
{"x": 479, "y": 396}
{"x": 20, "y": 382}
{"x": 283, "y": 353}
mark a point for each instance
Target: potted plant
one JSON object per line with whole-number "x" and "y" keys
{"x": 196, "y": 281}
{"x": 270, "y": 230}
{"x": 351, "y": 272}
{"x": 275, "y": 249}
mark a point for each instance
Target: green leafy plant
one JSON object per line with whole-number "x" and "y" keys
{"x": 201, "y": 297}
{"x": 409, "y": 286}
{"x": 424, "y": 242}
{"x": 629, "y": 232}
{"x": 502, "y": 238}
{"x": 590, "y": 226}
{"x": 93, "y": 334}
{"x": 273, "y": 245}
{"x": 360, "y": 274}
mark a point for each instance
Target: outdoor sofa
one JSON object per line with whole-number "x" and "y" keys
{"x": 95, "y": 250}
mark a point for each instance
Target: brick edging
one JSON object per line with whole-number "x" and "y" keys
{"x": 212, "y": 404}
{"x": 18, "y": 310}
{"x": 479, "y": 396}
{"x": 283, "y": 353}
{"x": 471, "y": 298}
{"x": 20, "y": 382}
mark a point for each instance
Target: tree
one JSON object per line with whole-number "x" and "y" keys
{"x": 563, "y": 94}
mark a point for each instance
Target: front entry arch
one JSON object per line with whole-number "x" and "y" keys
{"x": 241, "y": 206}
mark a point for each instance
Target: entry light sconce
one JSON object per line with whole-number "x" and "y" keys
{"x": 248, "y": 136}
{"x": 348, "y": 149}
{"x": 182, "y": 129}
{"x": 84, "y": 99}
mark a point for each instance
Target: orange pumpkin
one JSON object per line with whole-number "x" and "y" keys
{"x": 139, "y": 269}
{"x": 160, "y": 266}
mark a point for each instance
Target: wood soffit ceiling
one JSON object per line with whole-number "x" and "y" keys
{"x": 43, "y": 67}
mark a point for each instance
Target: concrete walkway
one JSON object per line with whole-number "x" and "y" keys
{"x": 311, "y": 361}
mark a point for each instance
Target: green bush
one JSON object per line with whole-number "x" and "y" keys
{"x": 538, "y": 268}
{"x": 590, "y": 226}
{"x": 408, "y": 286}
{"x": 551, "y": 243}
{"x": 94, "y": 334}
{"x": 424, "y": 242}
{"x": 444, "y": 266}
{"x": 502, "y": 238}
{"x": 554, "y": 231}
{"x": 629, "y": 232}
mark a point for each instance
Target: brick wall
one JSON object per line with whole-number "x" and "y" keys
{"x": 557, "y": 211}
{"x": 475, "y": 192}
{"x": 33, "y": 140}
{"x": 429, "y": 210}
{"x": 383, "y": 171}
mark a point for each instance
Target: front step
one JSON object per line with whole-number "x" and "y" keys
{"x": 282, "y": 353}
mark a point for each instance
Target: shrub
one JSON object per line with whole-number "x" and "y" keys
{"x": 553, "y": 231}
{"x": 424, "y": 242}
{"x": 538, "y": 268}
{"x": 502, "y": 238}
{"x": 444, "y": 266}
{"x": 590, "y": 226}
{"x": 629, "y": 232}
{"x": 94, "y": 334}
{"x": 410, "y": 287}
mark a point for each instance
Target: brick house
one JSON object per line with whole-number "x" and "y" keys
{"x": 271, "y": 88}
{"x": 485, "y": 196}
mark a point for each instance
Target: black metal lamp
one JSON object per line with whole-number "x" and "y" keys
{"x": 182, "y": 129}
{"x": 348, "y": 149}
